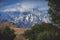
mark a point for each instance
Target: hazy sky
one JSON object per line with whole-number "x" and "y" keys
{"x": 12, "y": 5}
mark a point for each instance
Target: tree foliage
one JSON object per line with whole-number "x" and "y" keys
{"x": 38, "y": 32}
{"x": 6, "y": 33}
{"x": 55, "y": 11}
{"x": 48, "y": 36}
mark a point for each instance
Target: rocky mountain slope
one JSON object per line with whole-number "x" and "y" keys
{"x": 25, "y": 15}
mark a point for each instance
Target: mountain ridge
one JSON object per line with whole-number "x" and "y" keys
{"x": 26, "y": 19}
{"x": 25, "y": 14}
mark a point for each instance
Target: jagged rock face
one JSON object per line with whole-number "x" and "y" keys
{"x": 24, "y": 17}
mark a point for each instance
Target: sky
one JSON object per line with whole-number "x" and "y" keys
{"x": 7, "y": 2}
{"x": 25, "y": 4}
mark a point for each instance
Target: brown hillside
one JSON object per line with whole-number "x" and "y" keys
{"x": 10, "y": 24}
{"x": 18, "y": 31}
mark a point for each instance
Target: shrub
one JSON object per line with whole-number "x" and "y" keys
{"x": 6, "y": 33}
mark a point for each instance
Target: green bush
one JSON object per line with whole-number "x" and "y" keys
{"x": 42, "y": 29}
{"x": 48, "y": 36}
{"x": 6, "y": 33}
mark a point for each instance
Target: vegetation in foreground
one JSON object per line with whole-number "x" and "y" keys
{"x": 6, "y": 33}
{"x": 43, "y": 32}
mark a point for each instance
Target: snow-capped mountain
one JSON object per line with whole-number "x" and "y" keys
{"x": 23, "y": 15}
{"x": 25, "y": 19}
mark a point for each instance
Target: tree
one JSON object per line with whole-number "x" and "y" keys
{"x": 46, "y": 35}
{"x": 6, "y": 33}
{"x": 39, "y": 29}
{"x": 55, "y": 11}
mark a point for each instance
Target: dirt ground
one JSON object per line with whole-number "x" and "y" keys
{"x": 19, "y": 33}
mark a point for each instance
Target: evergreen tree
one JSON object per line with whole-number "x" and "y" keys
{"x": 6, "y": 33}
{"x": 43, "y": 31}
{"x": 55, "y": 11}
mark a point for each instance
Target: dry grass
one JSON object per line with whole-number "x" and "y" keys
{"x": 10, "y": 24}
{"x": 18, "y": 31}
